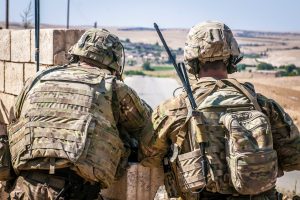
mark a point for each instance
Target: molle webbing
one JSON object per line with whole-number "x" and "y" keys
{"x": 212, "y": 101}
{"x": 63, "y": 89}
{"x": 219, "y": 84}
{"x": 67, "y": 120}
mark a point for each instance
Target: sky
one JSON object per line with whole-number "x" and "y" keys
{"x": 264, "y": 15}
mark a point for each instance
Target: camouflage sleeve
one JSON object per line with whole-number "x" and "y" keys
{"x": 161, "y": 131}
{"x": 134, "y": 113}
{"x": 286, "y": 135}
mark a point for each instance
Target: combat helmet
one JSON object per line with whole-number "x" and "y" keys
{"x": 211, "y": 41}
{"x": 102, "y": 48}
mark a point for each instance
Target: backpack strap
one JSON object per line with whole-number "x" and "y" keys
{"x": 25, "y": 90}
{"x": 183, "y": 130}
{"x": 242, "y": 89}
{"x": 115, "y": 101}
{"x": 219, "y": 84}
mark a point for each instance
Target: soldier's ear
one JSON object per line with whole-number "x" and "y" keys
{"x": 197, "y": 66}
{"x": 231, "y": 68}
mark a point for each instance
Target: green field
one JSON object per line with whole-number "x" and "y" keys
{"x": 162, "y": 68}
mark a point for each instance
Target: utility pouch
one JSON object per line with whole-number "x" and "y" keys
{"x": 170, "y": 179}
{"x": 190, "y": 176}
{"x": 251, "y": 159}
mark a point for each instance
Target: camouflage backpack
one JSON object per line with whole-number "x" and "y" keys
{"x": 240, "y": 146}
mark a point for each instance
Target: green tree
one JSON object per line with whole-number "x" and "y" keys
{"x": 290, "y": 68}
{"x": 241, "y": 67}
{"x": 265, "y": 66}
{"x": 146, "y": 66}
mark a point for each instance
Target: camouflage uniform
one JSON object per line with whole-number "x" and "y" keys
{"x": 169, "y": 118}
{"x": 75, "y": 124}
{"x": 5, "y": 168}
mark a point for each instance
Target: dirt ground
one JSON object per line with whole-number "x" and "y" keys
{"x": 284, "y": 90}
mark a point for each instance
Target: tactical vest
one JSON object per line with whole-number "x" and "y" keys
{"x": 240, "y": 154}
{"x": 67, "y": 120}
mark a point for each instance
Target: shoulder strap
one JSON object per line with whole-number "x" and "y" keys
{"x": 242, "y": 89}
{"x": 25, "y": 90}
{"x": 219, "y": 84}
{"x": 115, "y": 101}
{"x": 183, "y": 130}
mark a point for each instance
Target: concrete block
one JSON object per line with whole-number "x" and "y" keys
{"x": 144, "y": 183}
{"x": 72, "y": 36}
{"x": 5, "y": 45}
{"x": 2, "y": 82}
{"x": 20, "y": 46}
{"x": 29, "y": 70}
{"x": 157, "y": 181}
{"x": 60, "y": 58}
{"x": 43, "y": 67}
{"x": 14, "y": 74}
{"x": 51, "y": 43}
{"x": 138, "y": 183}
{"x": 6, "y": 107}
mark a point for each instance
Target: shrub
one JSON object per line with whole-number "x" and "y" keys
{"x": 134, "y": 72}
{"x": 146, "y": 66}
{"x": 265, "y": 66}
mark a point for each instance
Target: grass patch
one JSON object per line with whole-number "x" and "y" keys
{"x": 134, "y": 72}
{"x": 162, "y": 68}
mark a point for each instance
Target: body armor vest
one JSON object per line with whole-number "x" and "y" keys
{"x": 67, "y": 121}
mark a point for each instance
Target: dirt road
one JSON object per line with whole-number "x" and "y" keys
{"x": 155, "y": 90}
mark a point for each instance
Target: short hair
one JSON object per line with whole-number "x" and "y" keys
{"x": 214, "y": 65}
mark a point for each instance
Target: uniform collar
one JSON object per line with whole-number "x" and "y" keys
{"x": 206, "y": 79}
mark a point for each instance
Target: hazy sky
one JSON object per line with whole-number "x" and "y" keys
{"x": 268, "y": 15}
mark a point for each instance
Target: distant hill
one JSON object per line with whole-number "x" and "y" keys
{"x": 136, "y": 29}
{"x": 256, "y": 34}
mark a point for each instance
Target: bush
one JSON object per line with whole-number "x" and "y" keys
{"x": 162, "y": 68}
{"x": 146, "y": 66}
{"x": 134, "y": 72}
{"x": 290, "y": 70}
{"x": 241, "y": 67}
{"x": 264, "y": 66}
{"x": 253, "y": 55}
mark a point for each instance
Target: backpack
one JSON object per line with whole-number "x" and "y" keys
{"x": 240, "y": 154}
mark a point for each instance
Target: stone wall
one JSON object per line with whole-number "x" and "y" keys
{"x": 17, "y": 57}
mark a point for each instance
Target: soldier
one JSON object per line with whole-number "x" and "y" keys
{"x": 248, "y": 139}
{"x": 65, "y": 142}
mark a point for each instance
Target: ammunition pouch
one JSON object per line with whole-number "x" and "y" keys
{"x": 68, "y": 184}
{"x": 190, "y": 175}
